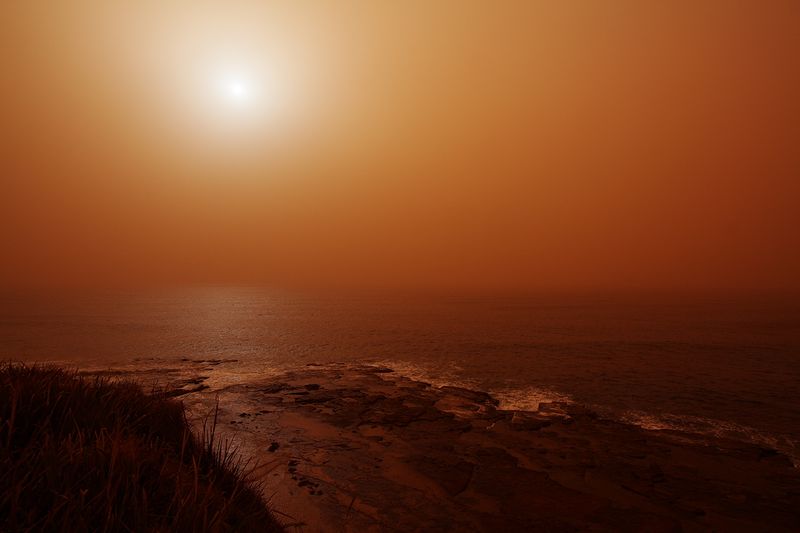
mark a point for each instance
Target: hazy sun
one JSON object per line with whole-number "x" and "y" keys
{"x": 223, "y": 77}
{"x": 236, "y": 89}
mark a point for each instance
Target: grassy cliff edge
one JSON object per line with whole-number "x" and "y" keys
{"x": 79, "y": 453}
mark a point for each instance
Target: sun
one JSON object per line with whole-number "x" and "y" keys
{"x": 236, "y": 90}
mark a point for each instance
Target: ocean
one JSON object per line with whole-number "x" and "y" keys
{"x": 719, "y": 364}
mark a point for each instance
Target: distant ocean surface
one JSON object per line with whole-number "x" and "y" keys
{"x": 727, "y": 365}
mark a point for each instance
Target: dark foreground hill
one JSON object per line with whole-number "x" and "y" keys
{"x": 88, "y": 454}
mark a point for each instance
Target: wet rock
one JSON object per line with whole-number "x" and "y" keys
{"x": 375, "y": 369}
{"x": 474, "y": 396}
{"x": 452, "y": 475}
{"x": 180, "y": 392}
{"x": 393, "y": 412}
{"x": 526, "y": 421}
{"x": 763, "y": 453}
{"x": 274, "y": 388}
{"x": 317, "y": 398}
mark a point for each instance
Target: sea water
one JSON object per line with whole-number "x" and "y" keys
{"x": 721, "y": 364}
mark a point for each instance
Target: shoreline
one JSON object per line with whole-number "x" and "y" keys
{"x": 530, "y": 398}
{"x": 353, "y": 447}
{"x": 196, "y": 374}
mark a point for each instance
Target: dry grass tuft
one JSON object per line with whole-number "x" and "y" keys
{"x": 80, "y": 453}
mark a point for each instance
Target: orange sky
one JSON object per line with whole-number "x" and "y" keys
{"x": 449, "y": 144}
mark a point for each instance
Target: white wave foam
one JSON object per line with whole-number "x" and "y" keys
{"x": 524, "y": 399}
{"x": 700, "y": 426}
{"x": 527, "y": 399}
{"x": 436, "y": 376}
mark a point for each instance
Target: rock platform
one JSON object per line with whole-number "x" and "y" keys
{"x": 342, "y": 447}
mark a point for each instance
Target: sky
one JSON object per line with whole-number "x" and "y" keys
{"x": 515, "y": 145}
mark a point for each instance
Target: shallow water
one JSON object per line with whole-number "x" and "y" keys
{"x": 722, "y": 364}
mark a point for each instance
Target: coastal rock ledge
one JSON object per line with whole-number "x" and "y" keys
{"x": 359, "y": 448}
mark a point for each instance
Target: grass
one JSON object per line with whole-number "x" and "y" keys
{"x": 88, "y": 454}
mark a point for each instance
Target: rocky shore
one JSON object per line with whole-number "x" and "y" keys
{"x": 359, "y": 448}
